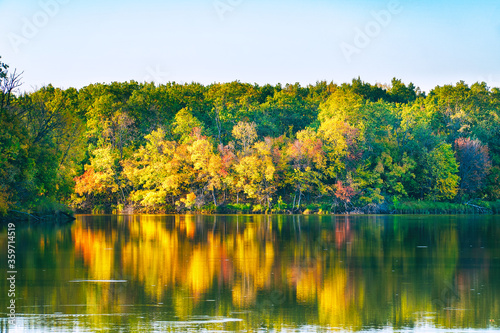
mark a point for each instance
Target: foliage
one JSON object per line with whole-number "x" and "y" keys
{"x": 441, "y": 173}
{"x": 475, "y": 163}
{"x": 41, "y": 141}
{"x": 235, "y": 145}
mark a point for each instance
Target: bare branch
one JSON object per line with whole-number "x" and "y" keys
{"x": 7, "y": 86}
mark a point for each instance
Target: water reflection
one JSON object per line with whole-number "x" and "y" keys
{"x": 190, "y": 273}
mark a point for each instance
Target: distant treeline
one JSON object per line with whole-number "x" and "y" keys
{"x": 244, "y": 147}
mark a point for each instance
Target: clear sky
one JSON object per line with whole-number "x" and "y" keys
{"x": 72, "y": 43}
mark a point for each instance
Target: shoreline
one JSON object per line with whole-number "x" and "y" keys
{"x": 405, "y": 208}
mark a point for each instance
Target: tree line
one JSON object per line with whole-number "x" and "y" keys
{"x": 246, "y": 147}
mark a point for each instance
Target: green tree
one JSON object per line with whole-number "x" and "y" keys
{"x": 184, "y": 123}
{"x": 400, "y": 93}
{"x": 441, "y": 173}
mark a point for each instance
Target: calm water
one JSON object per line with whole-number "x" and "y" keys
{"x": 257, "y": 273}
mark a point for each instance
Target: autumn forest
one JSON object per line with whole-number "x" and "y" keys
{"x": 239, "y": 147}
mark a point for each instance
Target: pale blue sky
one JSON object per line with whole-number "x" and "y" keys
{"x": 74, "y": 43}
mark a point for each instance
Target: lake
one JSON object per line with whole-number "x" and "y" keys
{"x": 258, "y": 273}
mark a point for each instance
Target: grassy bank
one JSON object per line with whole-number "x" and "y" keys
{"x": 430, "y": 207}
{"x": 494, "y": 206}
{"x": 408, "y": 207}
{"x": 44, "y": 210}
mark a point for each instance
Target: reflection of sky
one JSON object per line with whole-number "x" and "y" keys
{"x": 428, "y": 42}
{"x": 26, "y": 325}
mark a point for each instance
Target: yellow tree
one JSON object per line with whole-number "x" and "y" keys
{"x": 255, "y": 173}
{"x": 342, "y": 144}
{"x": 308, "y": 160}
{"x": 101, "y": 178}
{"x": 155, "y": 171}
{"x": 207, "y": 165}
{"x": 246, "y": 134}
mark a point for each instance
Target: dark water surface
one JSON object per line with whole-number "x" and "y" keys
{"x": 256, "y": 273}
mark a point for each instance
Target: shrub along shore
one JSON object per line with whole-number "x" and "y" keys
{"x": 408, "y": 207}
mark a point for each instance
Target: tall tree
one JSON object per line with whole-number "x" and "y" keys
{"x": 184, "y": 123}
{"x": 256, "y": 173}
{"x": 441, "y": 169}
{"x": 474, "y": 161}
{"x": 155, "y": 172}
{"x": 307, "y": 159}
{"x": 245, "y": 133}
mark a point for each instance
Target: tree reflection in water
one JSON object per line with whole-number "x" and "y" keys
{"x": 251, "y": 271}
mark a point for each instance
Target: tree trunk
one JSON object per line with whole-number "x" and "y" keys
{"x": 300, "y": 197}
